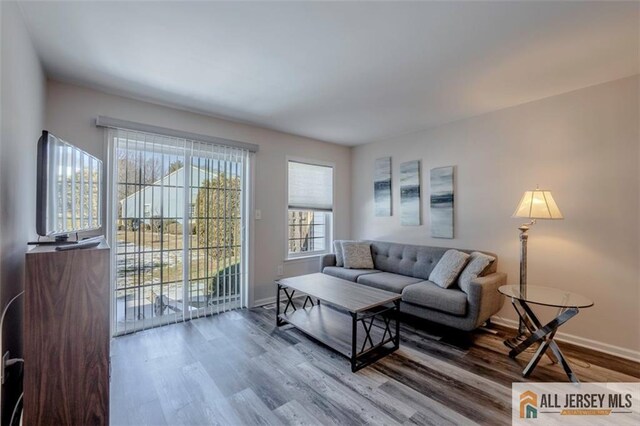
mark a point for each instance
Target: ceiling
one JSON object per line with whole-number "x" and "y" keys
{"x": 348, "y": 73}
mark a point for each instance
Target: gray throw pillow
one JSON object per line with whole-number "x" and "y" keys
{"x": 478, "y": 263}
{"x": 337, "y": 249}
{"x": 357, "y": 255}
{"x": 448, "y": 268}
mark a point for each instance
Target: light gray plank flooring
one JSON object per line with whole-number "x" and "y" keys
{"x": 238, "y": 369}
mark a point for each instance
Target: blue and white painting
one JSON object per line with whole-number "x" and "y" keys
{"x": 442, "y": 202}
{"x": 410, "y": 193}
{"x": 382, "y": 186}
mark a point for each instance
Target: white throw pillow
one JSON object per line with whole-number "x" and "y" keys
{"x": 474, "y": 269}
{"x": 337, "y": 249}
{"x": 357, "y": 255}
{"x": 448, "y": 268}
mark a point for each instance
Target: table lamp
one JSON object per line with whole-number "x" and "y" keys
{"x": 534, "y": 205}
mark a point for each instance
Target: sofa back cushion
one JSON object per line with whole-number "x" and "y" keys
{"x": 478, "y": 263}
{"x": 412, "y": 260}
{"x": 357, "y": 255}
{"x": 448, "y": 268}
{"x": 337, "y": 249}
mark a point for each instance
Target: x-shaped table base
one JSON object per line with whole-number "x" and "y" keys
{"x": 544, "y": 335}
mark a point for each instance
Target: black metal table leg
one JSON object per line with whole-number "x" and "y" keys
{"x": 278, "y": 320}
{"x": 396, "y": 339}
{"x": 308, "y": 299}
{"x": 373, "y": 348}
{"x": 354, "y": 341}
{"x": 289, "y": 299}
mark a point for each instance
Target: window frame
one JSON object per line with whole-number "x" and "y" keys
{"x": 329, "y": 216}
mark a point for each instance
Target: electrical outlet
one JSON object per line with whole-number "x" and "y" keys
{"x": 280, "y": 270}
{"x": 258, "y": 214}
{"x": 5, "y": 358}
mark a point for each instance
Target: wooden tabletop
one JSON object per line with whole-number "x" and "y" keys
{"x": 336, "y": 291}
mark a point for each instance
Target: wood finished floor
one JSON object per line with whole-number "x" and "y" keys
{"x": 238, "y": 369}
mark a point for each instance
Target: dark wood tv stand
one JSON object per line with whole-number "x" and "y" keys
{"x": 66, "y": 336}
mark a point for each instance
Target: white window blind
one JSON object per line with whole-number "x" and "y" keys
{"x": 310, "y": 187}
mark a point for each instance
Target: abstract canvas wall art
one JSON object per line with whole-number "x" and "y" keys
{"x": 410, "y": 193}
{"x": 442, "y": 198}
{"x": 382, "y": 186}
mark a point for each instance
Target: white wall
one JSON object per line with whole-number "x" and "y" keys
{"x": 71, "y": 112}
{"x": 22, "y": 116}
{"x": 582, "y": 145}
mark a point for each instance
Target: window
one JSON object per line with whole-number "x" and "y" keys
{"x": 147, "y": 210}
{"x": 310, "y": 208}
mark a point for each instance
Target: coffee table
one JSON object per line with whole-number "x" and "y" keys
{"x": 568, "y": 304}
{"x": 352, "y": 319}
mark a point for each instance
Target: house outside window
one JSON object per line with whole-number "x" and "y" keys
{"x": 310, "y": 208}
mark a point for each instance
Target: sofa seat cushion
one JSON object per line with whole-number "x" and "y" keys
{"x": 388, "y": 281}
{"x": 432, "y": 296}
{"x": 347, "y": 274}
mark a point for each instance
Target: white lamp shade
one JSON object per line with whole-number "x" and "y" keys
{"x": 538, "y": 204}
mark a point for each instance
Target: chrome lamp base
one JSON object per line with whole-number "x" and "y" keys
{"x": 522, "y": 331}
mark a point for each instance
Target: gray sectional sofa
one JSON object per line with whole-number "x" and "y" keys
{"x": 405, "y": 269}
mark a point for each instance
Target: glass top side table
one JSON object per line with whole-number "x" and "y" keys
{"x": 568, "y": 305}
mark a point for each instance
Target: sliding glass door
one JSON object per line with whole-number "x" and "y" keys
{"x": 178, "y": 237}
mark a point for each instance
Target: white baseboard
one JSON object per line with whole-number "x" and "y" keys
{"x": 580, "y": 341}
{"x": 265, "y": 301}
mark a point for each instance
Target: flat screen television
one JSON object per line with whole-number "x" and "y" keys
{"x": 69, "y": 189}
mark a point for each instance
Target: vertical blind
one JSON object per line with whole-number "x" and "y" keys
{"x": 178, "y": 229}
{"x": 310, "y": 186}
